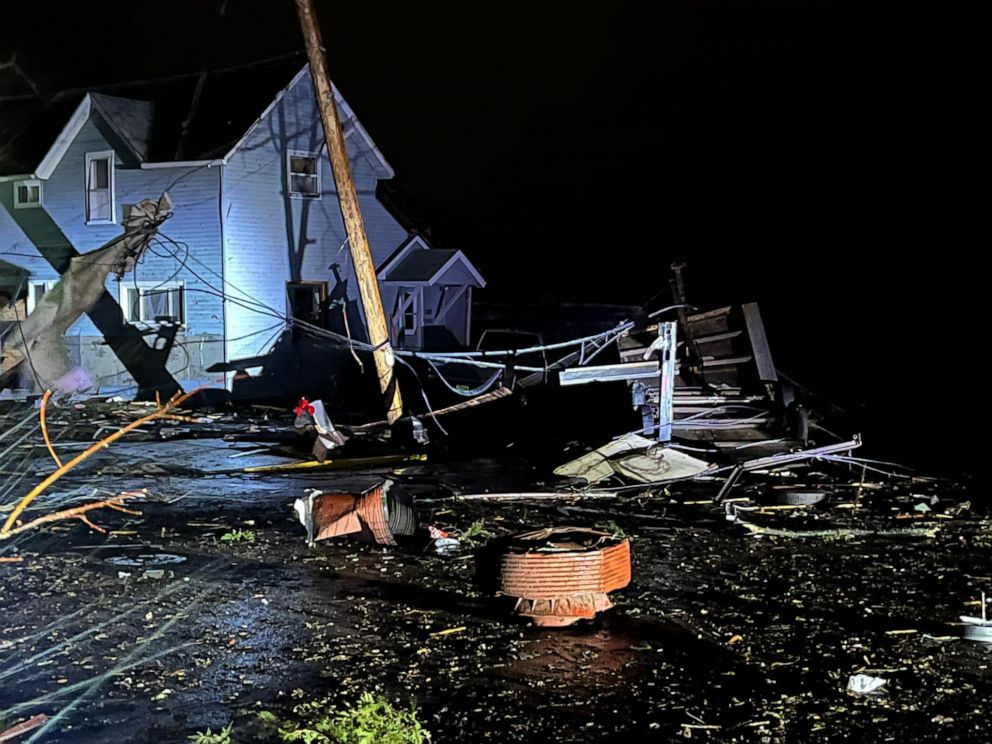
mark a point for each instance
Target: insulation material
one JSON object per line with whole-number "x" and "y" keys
{"x": 40, "y": 340}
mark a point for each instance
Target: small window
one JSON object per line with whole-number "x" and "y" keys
{"x": 27, "y": 194}
{"x": 410, "y": 305}
{"x": 99, "y": 187}
{"x": 37, "y": 290}
{"x": 155, "y": 304}
{"x": 304, "y": 174}
{"x": 306, "y": 301}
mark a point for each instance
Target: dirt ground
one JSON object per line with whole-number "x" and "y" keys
{"x": 162, "y": 627}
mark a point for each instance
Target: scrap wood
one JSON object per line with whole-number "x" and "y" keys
{"x": 174, "y": 402}
{"x": 479, "y": 400}
{"x": 11, "y": 559}
{"x": 22, "y": 728}
{"x": 449, "y": 631}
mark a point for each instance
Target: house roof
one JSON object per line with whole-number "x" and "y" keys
{"x": 131, "y": 119}
{"x": 150, "y": 117}
{"x": 429, "y": 266}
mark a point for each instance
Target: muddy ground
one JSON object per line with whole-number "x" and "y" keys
{"x": 721, "y": 636}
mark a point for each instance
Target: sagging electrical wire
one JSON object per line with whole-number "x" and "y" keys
{"x": 483, "y": 388}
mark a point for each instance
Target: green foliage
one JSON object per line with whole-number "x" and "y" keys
{"x": 475, "y": 532}
{"x": 616, "y": 529}
{"x": 209, "y": 737}
{"x": 239, "y": 536}
{"x": 373, "y": 721}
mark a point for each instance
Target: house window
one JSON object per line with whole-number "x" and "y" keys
{"x": 27, "y": 194}
{"x": 164, "y": 303}
{"x": 306, "y": 301}
{"x": 303, "y": 174}
{"x": 99, "y": 187}
{"x": 411, "y": 318}
{"x": 37, "y": 290}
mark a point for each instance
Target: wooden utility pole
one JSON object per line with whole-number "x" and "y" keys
{"x": 358, "y": 242}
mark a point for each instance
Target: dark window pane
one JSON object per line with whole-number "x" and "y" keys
{"x": 101, "y": 174}
{"x": 303, "y": 185}
{"x": 178, "y": 311}
{"x": 303, "y": 165}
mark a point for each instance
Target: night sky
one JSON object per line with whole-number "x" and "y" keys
{"x": 832, "y": 164}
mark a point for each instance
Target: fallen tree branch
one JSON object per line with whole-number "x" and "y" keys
{"x": 79, "y": 512}
{"x": 44, "y": 428}
{"x": 175, "y": 401}
{"x": 22, "y": 728}
{"x": 841, "y": 532}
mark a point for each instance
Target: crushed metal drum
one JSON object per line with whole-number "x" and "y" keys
{"x": 379, "y": 514}
{"x": 560, "y": 575}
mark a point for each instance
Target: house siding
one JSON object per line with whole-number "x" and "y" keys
{"x": 237, "y": 232}
{"x": 271, "y": 238}
{"x": 195, "y": 222}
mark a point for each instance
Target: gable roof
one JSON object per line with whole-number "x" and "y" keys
{"x": 349, "y": 124}
{"x": 130, "y": 120}
{"x": 427, "y": 267}
{"x": 150, "y": 118}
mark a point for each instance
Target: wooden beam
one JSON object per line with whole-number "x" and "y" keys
{"x": 358, "y": 244}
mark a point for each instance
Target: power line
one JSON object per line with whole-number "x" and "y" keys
{"x": 67, "y": 92}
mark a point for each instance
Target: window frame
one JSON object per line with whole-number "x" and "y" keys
{"x": 315, "y": 156}
{"x": 29, "y": 183}
{"x": 92, "y": 157}
{"x": 124, "y": 300}
{"x": 29, "y": 302}
{"x": 411, "y": 309}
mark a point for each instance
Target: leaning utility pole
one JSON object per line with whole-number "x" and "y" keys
{"x": 358, "y": 242}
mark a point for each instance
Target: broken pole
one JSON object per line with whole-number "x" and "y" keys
{"x": 351, "y": 214}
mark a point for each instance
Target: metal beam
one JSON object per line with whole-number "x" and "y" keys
{"x": 608, "y": 373}
{"x": 666, "y": 360}
{"x": 785, "y": 458}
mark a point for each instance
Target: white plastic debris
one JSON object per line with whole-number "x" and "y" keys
{"x": 865, "y": 684}
{"x": 447, "y": 546}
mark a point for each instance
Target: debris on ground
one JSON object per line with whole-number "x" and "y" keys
{"x": 865, "y": 684}
{"x": 559, "y": 575}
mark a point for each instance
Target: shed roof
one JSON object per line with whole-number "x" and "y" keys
{"x": 429, "y": 266}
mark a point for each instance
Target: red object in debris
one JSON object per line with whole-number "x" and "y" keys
{"x": 560, "y": 575}
{"x": 303, "y": 407}
{"x": 436, "y": 533}
{"x": 22, "y": 728}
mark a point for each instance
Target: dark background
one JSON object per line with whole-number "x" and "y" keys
{"x": 831, "y": 163}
